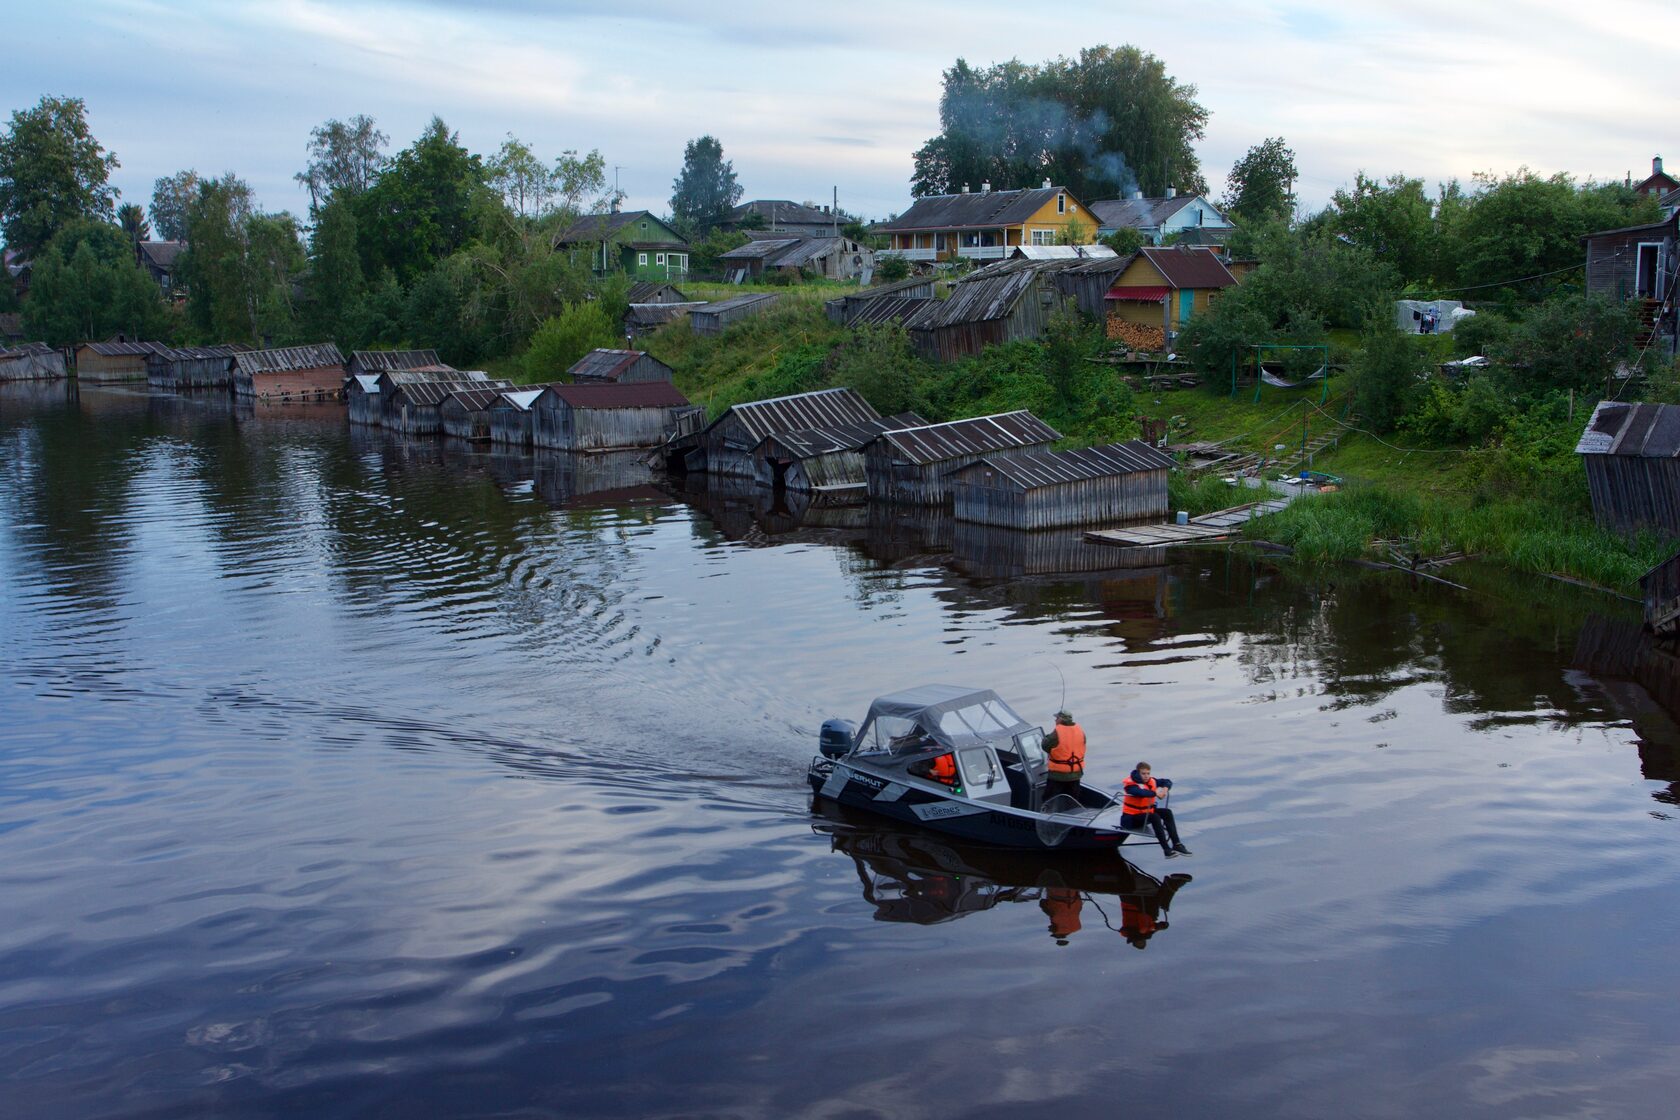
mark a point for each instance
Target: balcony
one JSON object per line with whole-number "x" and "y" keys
{"x": 967, "y": 252}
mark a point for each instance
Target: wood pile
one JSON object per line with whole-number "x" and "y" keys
{"x": 1135, "y": 335}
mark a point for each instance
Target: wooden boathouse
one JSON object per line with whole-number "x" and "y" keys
{"x": 193, "y": 367}
{"x": 619, "y": 367}
{"x": 713, "y": 318}
{"x": 465, "y": 413}
{"x": 115, "y": 360}
{"x": 1058, "y": 489}
{"x": 379, "y": 406}
{"x": 727, "y": 445}
{"x": 415, "y": 408}
{"x": 606, "y": 417}
{"x": 290, "y": 372}
{"x": 1661, "y": 590}
{"x": 1631, "y": 453}
{"x": 826, "y": 461}
{"x": 510, "y": 415}
{"x": 376, "y": 362}
{"x": 912, "y": 466}
{"x": 35, "y": 361}
{"x": 1004, "y": 302}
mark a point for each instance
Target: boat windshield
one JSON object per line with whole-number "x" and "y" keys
{"x": 937, "y": 716}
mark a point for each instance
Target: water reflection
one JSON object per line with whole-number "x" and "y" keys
{"x": 925, "y": 879}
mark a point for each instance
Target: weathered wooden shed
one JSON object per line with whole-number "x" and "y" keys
{"x": 510, "y": 415}
{"x": 1003, "y": 305}
{"x": 826, "y": 461}
{"x": 727, "y": 445}
{"x": 116, "y": 360}
{"x": 606, "y": 417}
{"x": 645, "y": 318}
{"x": 381, "y": 405}
{"x": 465, "y": 413}
{"x": 376, "y": 362}
{"x": 1046, "y": 489}
{"x": 415, "y": 408}
{"x": 35, "y": 361}
{"x": 1631, "y": 453}
{"x": 193, "y": 367}
{"x": 1661, "y": 591}
{"x": 619, "y": 367}
{"x": 904, "y": 295}
{"x": 654, "y": 291}
{"x": 912, "y": 466}
{"x": 715, "y": 317}
{"x": 361, "y": 396}
{"x": 290, "y": 372}
{"x": 1087, "y": 282}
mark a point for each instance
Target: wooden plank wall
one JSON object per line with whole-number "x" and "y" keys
{"x": 1139, "y": 496}
{"x": 1630, "y": 493}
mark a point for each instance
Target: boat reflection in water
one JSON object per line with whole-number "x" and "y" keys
{"x": 925, "y": 879}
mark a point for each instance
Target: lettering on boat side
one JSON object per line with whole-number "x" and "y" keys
{"x": 867, "y": 781}
{"x": 835, "y": 783}
{"x": 941, "y": 809}
{"x": 893, "y": 792}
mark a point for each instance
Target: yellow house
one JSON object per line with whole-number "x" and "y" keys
{"x": 986, "y": 224}
{"x": 1164, "y": 288}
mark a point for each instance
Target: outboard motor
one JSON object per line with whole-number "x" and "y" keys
{"x": 835, "y": 741}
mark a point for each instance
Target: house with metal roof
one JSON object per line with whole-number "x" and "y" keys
{"x": 986, "y": 224}
{"x": 1159, "y": 218}
{"x": 1164, "y": 288}
{"x": 633, "y": 242}
{"x": 619, "y": 367}
{"x": 607, "y": 416}
{"x": 727, "y": 445}
{"x": 778, "y": 215}
{"x": 1114, "y": 482}
{"x": 1631, "y": 453}
{"x": 912, "y": 466}
{"x": 159, "y": 258}
{"x": 826, "y": 461}
{"x": 1002, "y": 302}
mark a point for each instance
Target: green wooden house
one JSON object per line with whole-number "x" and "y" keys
{"x": 634, "y": 242}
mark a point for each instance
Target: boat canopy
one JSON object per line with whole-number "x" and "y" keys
{"x": 937, "y": 715}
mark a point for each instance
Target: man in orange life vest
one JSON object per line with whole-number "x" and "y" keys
{"x": 1140, "y": 809}
{"x": 1066, "y": 747}
{"x": 942, "y": 769}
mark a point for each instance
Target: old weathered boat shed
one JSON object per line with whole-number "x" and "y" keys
{"x": 866, "y": 304}
{"x": 715, "y": 317}
{"x": 290, "y": 372}
{"x": 116, "y": 360}
{"x": 193, "y": 367}
{"x": 1631, "y": 453}
{"x": 35, "y": 361}
{"x": 380, "y": 361}
{"x": 607, "y": 417}
{"x": 1054, "y": 489}
{"x": 415, "y": 407}
{"x": 1087, "y": 282}
{"x": 1001, "y": 303}
{"x": 619, "y": 367}
{"x": 465, "y": 413}
{"x": 726, "y": 446}
{"x": 912, "y": 466}
{"x": 510, "y": 414}
{"x": 826, "y": 461}
{"x": 378, "y": 395}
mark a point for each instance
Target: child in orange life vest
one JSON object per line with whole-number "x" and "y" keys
{"x": 1138, "y": 799}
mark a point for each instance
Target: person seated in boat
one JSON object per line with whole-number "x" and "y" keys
{"x": 1141, "y": 810}
{"x": 941, "y": 768}
{"x": 1066, "y": 747}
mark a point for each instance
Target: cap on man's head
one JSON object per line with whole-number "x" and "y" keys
{"x": 1064, "y": 716}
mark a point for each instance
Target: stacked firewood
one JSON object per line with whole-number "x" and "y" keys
{"x": 1135, "y": 335}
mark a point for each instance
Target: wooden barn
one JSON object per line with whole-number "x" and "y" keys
{"x": 606, "y": 417}
{"x": 510, "y": 415}
{"x": 1631, "y": 453}
{"x": 1058, "y": 489}
{"x": 291, "y": 372}
{"x": 826, "y": 461}
{"x": 114, "y": 361}
{"x": 995, "y": 305}
{"x": 465, "y": 413}
{"x": 727, "y": 445}
{"x": 376, "y": 362}
{"x": 35, "y": 361}
{"x": 912, "y": 466}
{"x": 713, "y": 318}
{"x": 619, "y": 367}
{"x": 415, "y": 408}
{"x": 902, "y": 297}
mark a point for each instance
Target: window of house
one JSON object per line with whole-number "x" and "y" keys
{"x": 641, "y": 258}
{"x": 1061, "y": 204}
{"x": 659, "y": 258}
{"x": 1043, "y": 237}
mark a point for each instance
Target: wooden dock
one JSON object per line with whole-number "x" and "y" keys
{"x": 1208, "y": 527}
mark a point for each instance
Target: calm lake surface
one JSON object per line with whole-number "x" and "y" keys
{"x": 347, "y": 776}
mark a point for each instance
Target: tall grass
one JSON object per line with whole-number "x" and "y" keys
{"x": 1205, "y": 494}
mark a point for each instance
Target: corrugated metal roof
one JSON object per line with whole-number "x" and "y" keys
{"x": 823, "y": 408}
{"x": 634, "y": 394}
{"x": 289, "y": 358}
{"x": 477, "y": 399}
{"x": 433, "y": 392}
{"x": 377, "y": 361}
{"x": 124, "y": 349}
{"x": 1062, "y": 252}
{"x": 807, "y": 250}
{"x": 975, "y": 301}
{"x": 1141, "y": 294}
{"x": 1032, "y": 470}
{"x": 809, "y": 442}
{"x": 780, "y": 211}
{"x": 604, "y": 227}
{"x": 608, "y": 365}
{"x": 892, "y": 309}
{"x": 1644, "y": 431}
{"x": 935, "y": 443}
{"x": 982, "y": 209}
{"x": 1138, "y": 213}
{"x": 757, "y": 250}
{"x": 162, "y": 254}
{"x": 732, "y": 304}
{"x": 1190, "y": 268}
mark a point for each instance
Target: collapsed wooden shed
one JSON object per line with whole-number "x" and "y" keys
{"x": 290, "y": 372}
{"x": 1631, "y": 453}
{"x": 827, "y": 461}
{"x": 606, "y": 417}
{"x": 912, "y": 466}
{"x": 35, "y": 361}
{"x": 1087, "y": 282}
{"x": 713, "y": 318}
{"x": 619, "y": 367}
{"x": 1055, "y": 489}
{"x": 727, "y": 445}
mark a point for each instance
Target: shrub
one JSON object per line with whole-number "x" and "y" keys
{"x": 891, "y": 269}
{"x": 566, "y": 337}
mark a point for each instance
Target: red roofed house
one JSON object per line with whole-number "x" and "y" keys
{"x": 1164, "y": 288}
{"x": 607, "y": 417}
{"x": 1658, "y": 182}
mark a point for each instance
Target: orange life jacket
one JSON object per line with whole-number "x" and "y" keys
{"x": 1145, "y": 803}
{"x": 1135, "y": 921}
{"x": 944, "y": 769}
{"x": 1068, "y": 755}
{"x": 1062, "y": 906}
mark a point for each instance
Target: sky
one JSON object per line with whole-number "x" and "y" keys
{"x": 809, "y": 98}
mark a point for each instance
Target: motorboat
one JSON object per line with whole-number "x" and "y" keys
{"x": 998, "y": 795}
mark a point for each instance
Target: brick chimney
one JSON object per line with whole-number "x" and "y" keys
{"x": 1656, "y": 165}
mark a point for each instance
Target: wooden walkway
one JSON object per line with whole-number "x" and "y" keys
{"x": 1208, "y": 527}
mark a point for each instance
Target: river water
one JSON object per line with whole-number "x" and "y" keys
{"x": 348, "y": 776}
